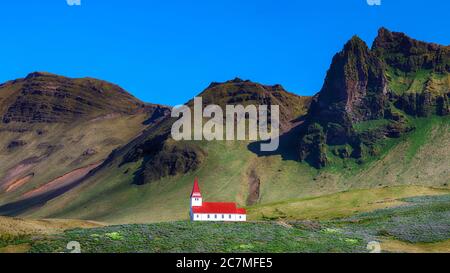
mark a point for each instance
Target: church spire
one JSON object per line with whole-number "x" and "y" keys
{"x": 196, "y": 189}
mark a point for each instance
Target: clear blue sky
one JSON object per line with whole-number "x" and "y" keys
{"x": 168, "y": 51}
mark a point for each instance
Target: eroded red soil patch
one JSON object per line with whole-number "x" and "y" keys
{"x": 16, "y": 174}
{"x": 15, "y": 184}
{"x": 62, "y": 181}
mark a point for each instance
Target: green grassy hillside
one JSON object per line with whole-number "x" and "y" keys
{"x": 54, "y": 130}
{"x": 414, "y": 159}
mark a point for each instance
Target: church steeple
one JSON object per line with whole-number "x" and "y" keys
{"x": 196, "y": 196}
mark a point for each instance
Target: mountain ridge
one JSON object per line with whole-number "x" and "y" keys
{"x": 45, "y": 97}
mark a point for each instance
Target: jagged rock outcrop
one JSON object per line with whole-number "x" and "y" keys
{"x": 355, "y": 87}
{"x": 355, "y": 90}
{"x": 363, "y": 85}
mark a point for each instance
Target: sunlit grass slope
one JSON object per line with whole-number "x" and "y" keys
{"x": 416, "y": 159}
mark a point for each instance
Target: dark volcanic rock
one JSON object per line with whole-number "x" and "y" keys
{"x": 313, "y": 146}
{"x": 16, "y": 144}
{"x": 423, "y": 104}
{"x": 443, "y": 104}
{"x": 172, "y": 159}
{"x": 162, "y": 156}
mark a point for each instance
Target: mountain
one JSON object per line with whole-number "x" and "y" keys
{"x": 55, "y": 130}
{"x": 162, "y": 157}
{"x": 376, "y": 89}
{"x": 154, "y": 159}
{"x": 380, "y": 121}
{"x": 245, "y": 92}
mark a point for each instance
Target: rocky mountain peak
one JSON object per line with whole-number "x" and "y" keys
{"x": 354, "y": 87}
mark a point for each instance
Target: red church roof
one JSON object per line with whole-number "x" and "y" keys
{"x": 218, "y": 207}
{"x": 241, "y": 211}
{"x": 214, "y": 207}
{"x": 196, "y": 189}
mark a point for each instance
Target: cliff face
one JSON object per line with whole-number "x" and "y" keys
{"x": 398, "y": 75}
{"x": 355, "y": 87}
{"x": 418, "y": 73}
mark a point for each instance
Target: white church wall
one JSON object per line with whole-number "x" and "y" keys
{"x": 241, "y": 217}
{"x": 213, "y": 217}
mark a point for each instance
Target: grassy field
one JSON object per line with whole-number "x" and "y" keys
{"x": 340, "y": 205}
{"x": 204, "y": 237}
{"x": 415, "y": 224}
{"x": 16, "y": 234}
{"x": 421, "y": 219}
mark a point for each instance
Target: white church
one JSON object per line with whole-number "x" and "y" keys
{"x": 214, "y": 211}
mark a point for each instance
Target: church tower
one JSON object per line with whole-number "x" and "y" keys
{"x": 196, "y": 196}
